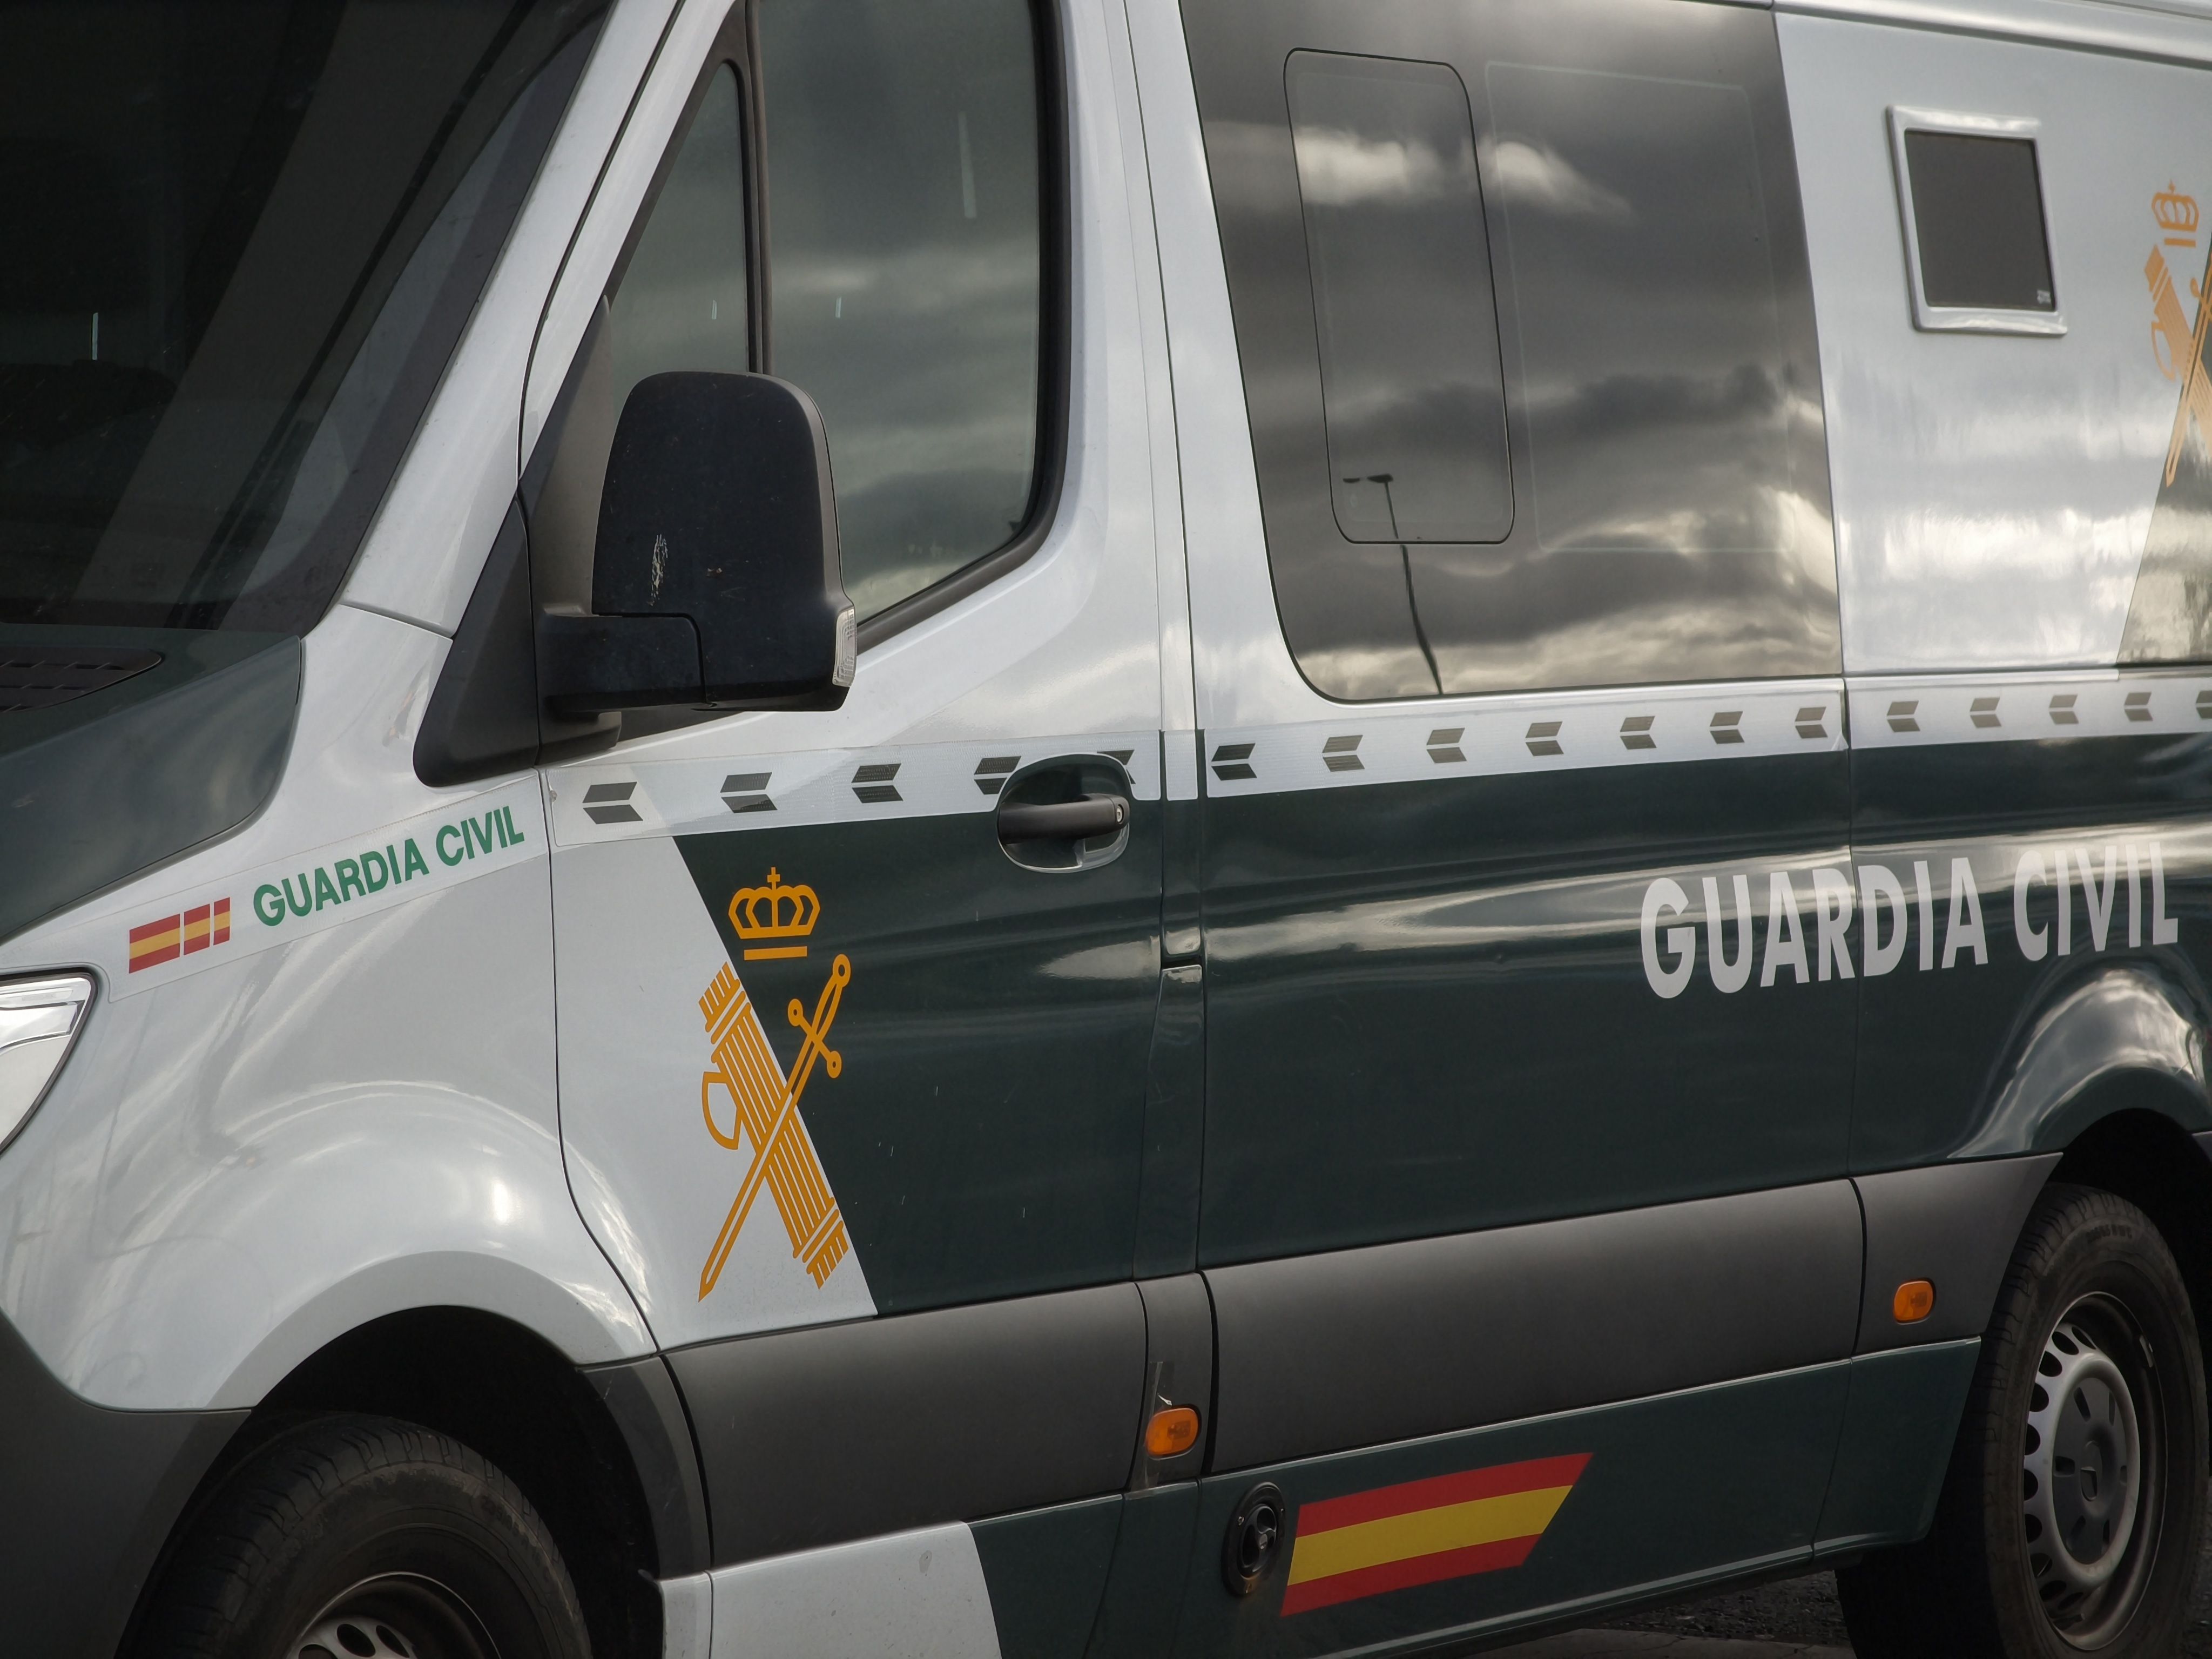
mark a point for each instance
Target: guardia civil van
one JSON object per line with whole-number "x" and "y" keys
{"x": 1099, "y": 829}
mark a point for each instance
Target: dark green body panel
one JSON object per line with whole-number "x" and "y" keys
{"x": 1046, "y": 1571}
{"x": 1951, "y": 1060}
{"x": 1898, "y": 1423}
{"x": 1153, "y": 1558}
{"x": 1426, "y": 1007}
{"x": 98, "y": 788}
{"x": 1174, "y": 1127}
{"x": 985, "y": 1136}
{"x": 1678, "y": 1490}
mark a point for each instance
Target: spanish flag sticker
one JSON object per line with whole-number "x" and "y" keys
{"x": 1423, "y": 1532}
{"x": 153, "y": 942}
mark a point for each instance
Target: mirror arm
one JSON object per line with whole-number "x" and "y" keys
{"x": 587, "y": 664}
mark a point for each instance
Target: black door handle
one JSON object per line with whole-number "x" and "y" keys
{"x": 1063, "y": 820}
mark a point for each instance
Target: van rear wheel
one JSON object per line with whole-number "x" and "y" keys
{"x": 2071, "y": 1513}
{"x": 363, "y": 1538}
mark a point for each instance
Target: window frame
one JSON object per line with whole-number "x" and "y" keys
{"x": 737, "y": 44}
{"x": 1972, "y": 320}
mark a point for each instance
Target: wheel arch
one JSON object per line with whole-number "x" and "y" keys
{"x": 2111, "y": 1074}
{"x": 604, "y": 1452}
{"x": 2143, "y": 1156}
{"x": 2124, "y": 1039}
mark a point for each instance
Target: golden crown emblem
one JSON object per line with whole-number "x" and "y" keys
{"x": 774, "y": 911}
{"x": 2175, "y": 212}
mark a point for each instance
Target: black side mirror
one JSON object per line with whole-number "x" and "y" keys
{"x": 716, "y": 579}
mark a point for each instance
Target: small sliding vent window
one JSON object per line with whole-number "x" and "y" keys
{"x": 1978, "y": 243}
{"x": 1412, "y": 395}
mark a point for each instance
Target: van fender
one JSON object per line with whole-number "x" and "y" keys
{"x": 426, "y": 1203}
{"x": 2123, "y": 1039}
{"x": 579, "y": 1320}
{"x": 349, "y": 1211}
{"x": 257, "y": 1158}
{"x": 2126, "y": 1037}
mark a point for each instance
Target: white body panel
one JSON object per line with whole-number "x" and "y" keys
{"x": 2173, "y": 30}
{"x": 1992, "y": 493}
{"x": 642, "y": 939}
{"x": 915, "y": 1594}
{"x": 1900, "y": 710}
{"x": 321, "y": 1120}
{"x": 1241, "y": 668}
{"x": 687, "y": 1617}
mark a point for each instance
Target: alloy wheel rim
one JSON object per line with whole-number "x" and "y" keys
{"x": 2089, "y": 1471}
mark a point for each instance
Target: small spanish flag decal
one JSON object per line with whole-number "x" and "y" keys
{"x": 1423, "y": 1532}
{"x": 153, "y": 942}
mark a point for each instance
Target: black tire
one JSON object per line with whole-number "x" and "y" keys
{"x": 363, "y": 1536}
{"x": 2093, "y": 1348}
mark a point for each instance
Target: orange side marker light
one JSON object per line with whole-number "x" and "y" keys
{"x": 1914, "y": 1301}
{"x": 1171, "y": 1431}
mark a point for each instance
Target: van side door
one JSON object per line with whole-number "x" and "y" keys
{"x": 1530, "y": 980}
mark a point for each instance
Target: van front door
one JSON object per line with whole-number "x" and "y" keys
{"x": 1530, "y": 956}
{"x": 855, "y": 1007}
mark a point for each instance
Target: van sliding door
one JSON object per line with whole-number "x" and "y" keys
{"x": 1526, "y": 884}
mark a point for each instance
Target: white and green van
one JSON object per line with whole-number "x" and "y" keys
{"x": 1101, "y": 829}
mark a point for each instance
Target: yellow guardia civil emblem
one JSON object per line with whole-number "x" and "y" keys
{"x": 2176, "y": 341}
{"x": 773, "y": 921}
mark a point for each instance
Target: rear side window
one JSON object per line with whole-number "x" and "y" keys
{"x": 1644, "y": 301}
{"x": 1978, "y": 246}
{"x": 859, "y": 205}
{"x": 1557, "y": 293}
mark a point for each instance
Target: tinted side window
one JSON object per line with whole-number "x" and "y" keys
{"x": 1645, "y": 309}
{"x": 1412, "y": 393}
{"x": 1977, "y": 216}
{"x": 1662, "y": 428}
{"x": 906, "y": 268}
{"x": 682, "y": 303}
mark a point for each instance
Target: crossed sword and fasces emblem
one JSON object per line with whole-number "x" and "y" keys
{"x": 767, "y": 1102}
{"x": 2183, "y": 359}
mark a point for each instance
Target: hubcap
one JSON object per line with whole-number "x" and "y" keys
{"x": 399, "y": 1616}
{"x": 2083, "y": 1472}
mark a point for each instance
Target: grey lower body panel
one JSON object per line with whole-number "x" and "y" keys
{"x": 1953, "y": 1224}
{"x": 88, "y": 1497}
{"x": 641, "y": 1396}
{"x": 810, "y": 1437}
{"x": 1363, "y": 1346}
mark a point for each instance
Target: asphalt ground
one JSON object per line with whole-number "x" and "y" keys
{"x": 1796, "y": 1619}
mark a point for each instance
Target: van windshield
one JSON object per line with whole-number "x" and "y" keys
{"x": 241, "y": 241}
